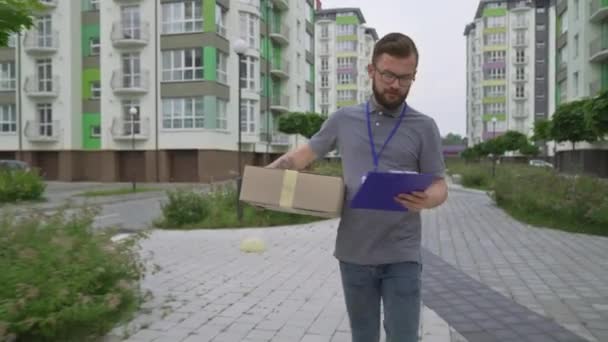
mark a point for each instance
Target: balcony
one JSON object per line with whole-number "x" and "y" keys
{"x": 520, "y": 42}
{"x": 494, "y": 65}
{"x": 598, "y": 11}
{"x": 520, "y": 78}
{"x": 279, "y": 103}
{"x": 130, "y": 130}
{"x": 280, "y": 69}
{"x": 521, "y": 97}
{"x": 36, "y": 131}
{"x": 280, "y": 34}
{"x": 521, "y": 60}
{"x": 130, "y": 84}
{"x": 127, "y": 35}
{"x": 521, "y": 115}
{"x": 278, "y": 139}
{"x": 36, "y": 43}
{"x": 49, "y": 3}
{"x": 520, "y": 24}
{"x": 37, "y": 87}
{"x": 595, "y": 87}
{"x": 281, "y": 4}
{"x": 598, "y": 50}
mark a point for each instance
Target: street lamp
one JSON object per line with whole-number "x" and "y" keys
{"x": 494, "y": 137}
{"x": 133, "y": 113}
{"x": 240, "y": 47}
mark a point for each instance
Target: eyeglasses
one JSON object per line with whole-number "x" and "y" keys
{"x": 389, "y": 77}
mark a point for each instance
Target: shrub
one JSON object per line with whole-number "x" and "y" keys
{"x": 184, "y": 207}
{"x": 20, "y": 185}
{"x": 60, "y": 281}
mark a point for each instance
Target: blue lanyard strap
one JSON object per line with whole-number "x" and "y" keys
{"x": 375, "y": 156}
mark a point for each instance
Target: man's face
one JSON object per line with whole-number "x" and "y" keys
{"x": 392, "y": 78}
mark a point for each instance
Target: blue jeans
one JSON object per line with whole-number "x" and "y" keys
{"x": 397, "y": 285}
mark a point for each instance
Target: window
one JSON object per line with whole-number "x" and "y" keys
{"x": 564, "y": 20}
{"x": 324, "y": 31}
{"x": 495, "y": 74}
{"x": 131, "y": 69}
{"x": 222, "y": 66}
{"x": 346, "y": 62}
{"x": 95, "y": 90}
{"x": 44, "y": 31}
{"x": 309, "y": 43}
{"x": 8, "y": 118}
{"x": 248, "y": 116}
{"x": 249, "y": 29}
{"x": 45, "y": 119}
{"x": 181, "y": 17}
{"x": 181, "y": 113}
{"x": 520, "y": 74}
{"x": 494, "y": 108}
{"x": 576, "y": 84}
{"x": 520, "y": 38}
{"x": 299, "y": 31}
{"x": 520, "y": 91}
{"x": 563, "y": 91}
{"x": 131, "y": 124}
{"x": 325, "y": 109}
{"x": 576, "y": 10}
{"x": 7, "y": 76}
{"x": 494, "y": 91}
{"x": 182, "y": 65}
{"x": 95, "y": 131}
{"x": 520, "y": 56}
{"x": 492, "y": 22}
{"x": 94, "y": 5}
{"x": 576, "y": 45}
{"x": 540, "y": 27}
{"x": 298, "y": 95}
{"x": 347, "y": 46}
{"x": 44, "y": 73}
{"x": 94, "y": 46}
{"x": 220, "y": 20}
{"x": 347, "y": 95}
{"x": 345, "y": 30}
{"x": 345, "y": 78}
{"x": 324, "y": 48}
{"x": 248, "y": 77}
{"x": 495, "y": 39}
{"x": 324, "y": 81}
{"x": 324, "y": 63}
{"x": 131, "y": 22}
{"x": 324, "y": 97}
{"x": 221, "y": 118}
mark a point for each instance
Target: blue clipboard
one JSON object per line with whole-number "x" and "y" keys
{"x": 380, "y": 188}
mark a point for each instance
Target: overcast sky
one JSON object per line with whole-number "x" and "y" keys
{"x": 437, "y": 27}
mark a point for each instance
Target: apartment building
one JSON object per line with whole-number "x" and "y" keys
{"x": 580, "y": 51}
{"x": 344, "y": 49}
{"x": 117, "y": 89}
{"x": 508, "y": 72}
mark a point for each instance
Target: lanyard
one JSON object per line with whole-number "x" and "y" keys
{"x": 375, "y": 156}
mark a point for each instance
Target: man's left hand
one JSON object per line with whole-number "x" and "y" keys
{"x": 415, "y": 202}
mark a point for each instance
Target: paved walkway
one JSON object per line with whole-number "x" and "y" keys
{"x": 479, "y": 263}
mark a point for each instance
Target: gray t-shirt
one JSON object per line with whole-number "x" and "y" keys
{"x": 374, "y": 237}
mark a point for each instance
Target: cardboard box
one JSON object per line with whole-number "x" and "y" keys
{"x": 292, "y": 191}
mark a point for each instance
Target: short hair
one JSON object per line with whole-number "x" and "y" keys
{"x": 396, "y": 45}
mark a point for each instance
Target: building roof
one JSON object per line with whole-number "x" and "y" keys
{"x": 356, "y": 10}
{"x": 372, "y": 31}
{"x": 468, "y": 28}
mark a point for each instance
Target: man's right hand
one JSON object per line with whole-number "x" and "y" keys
{"x": 297, "y": 159}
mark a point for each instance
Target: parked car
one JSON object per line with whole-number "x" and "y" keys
{"x": 9, "y": 164}
{"x": 540, "y": 163}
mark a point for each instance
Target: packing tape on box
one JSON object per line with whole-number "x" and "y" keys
{"x": 288, "y": 190}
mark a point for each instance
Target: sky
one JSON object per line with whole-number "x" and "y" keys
{"x": 437, "y": 28}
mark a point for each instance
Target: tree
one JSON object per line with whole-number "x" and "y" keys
{"x": 306, "y": 124}
{"x": 529, "y": 150}
{"x": 453, "y": 139}
{"x": 15, "y": 16}
{"x": 513, "y": 141}
{"x": 542, "y": 130}
{"x": 596, "y": 116}
{"x": 569, "y": 124}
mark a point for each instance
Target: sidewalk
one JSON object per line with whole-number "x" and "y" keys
{"x": 485, "y": 275}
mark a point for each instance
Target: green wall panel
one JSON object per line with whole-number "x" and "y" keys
{"x": 88, "y": 121}
{"x": 350, "y": 37}
{"x": 347, "y": 20}
{"x": 210, "y": 63}
{"x": 499, "y": 117}
{"x": 494, "y": 12}
{"x": 209, "y": 16}
{"x": 88, "y": 76}
{"x": 88, "y": 32}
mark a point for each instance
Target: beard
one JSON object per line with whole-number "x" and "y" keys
{"x": 383, "y": 100}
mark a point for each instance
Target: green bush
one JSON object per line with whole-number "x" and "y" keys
{"x": 476, "y": 178}
{"x": 184, "y": 207}
{"x": 220, "y": 212}
{"x": 20, "y": 186}
{"x": 60, "y": 281}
